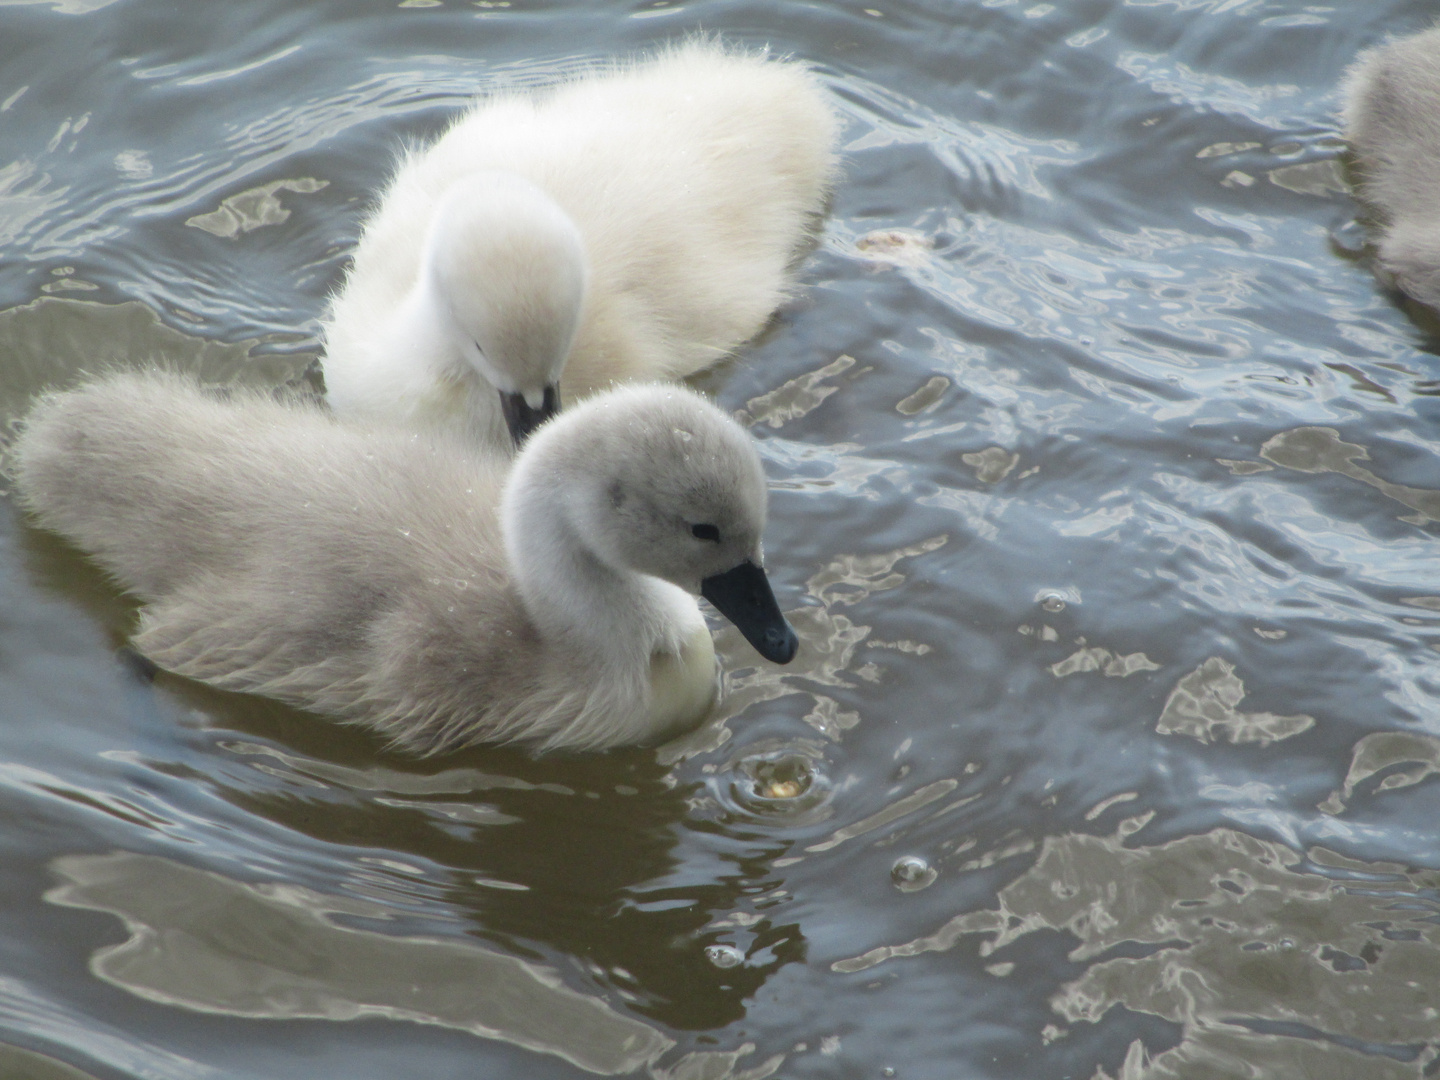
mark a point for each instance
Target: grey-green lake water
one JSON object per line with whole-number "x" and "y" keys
{"x": 1106, "y": 502}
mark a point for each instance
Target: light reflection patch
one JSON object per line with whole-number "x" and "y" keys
{"x": 1202, "y": 706}
{"x": 202, "y": 941}
{"x": 1270, "y": 968}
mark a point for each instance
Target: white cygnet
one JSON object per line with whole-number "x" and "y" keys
{"x": 638, "y": 222}
{"x": 399, "y": 581}
{"x": 1392, "y": 119}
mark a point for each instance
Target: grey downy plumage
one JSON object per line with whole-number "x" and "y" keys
{"x": 403, "y": 581}
{"x": 1392, "y": 119}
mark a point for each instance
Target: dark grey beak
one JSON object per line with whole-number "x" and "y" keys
{"x": 521, "y": 419}
{"x": 743, "y": 596}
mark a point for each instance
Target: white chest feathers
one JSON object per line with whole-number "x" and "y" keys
{"x": 683, "y": 686}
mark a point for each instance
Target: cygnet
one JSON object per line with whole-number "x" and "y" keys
{"x": 638, "y": 222}
{"x": 1392, "y": 119}
{"x": 397, "y": 580}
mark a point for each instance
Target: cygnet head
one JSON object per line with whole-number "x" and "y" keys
{"x": 655, "y": 480}
{"x": 508, "y": 271}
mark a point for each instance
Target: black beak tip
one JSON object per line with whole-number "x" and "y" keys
{"x": 521, "y": 419}
{"x": 742, "y": 594}
{"x": 779, "y": 644}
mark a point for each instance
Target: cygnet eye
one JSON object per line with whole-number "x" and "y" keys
{"x": 705, "y": 532}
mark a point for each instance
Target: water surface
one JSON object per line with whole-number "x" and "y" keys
{"x": 1105, "y": 501}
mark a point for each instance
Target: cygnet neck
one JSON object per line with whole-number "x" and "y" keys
{"x": 423, "y": 334}
{"x": 419, "y": 343}
{"x": 574, "y": 595}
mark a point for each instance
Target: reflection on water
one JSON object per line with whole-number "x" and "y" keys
{"x": 1098, "y": 658}
{"x": 253, "y": 209}
{"x": 1103, "y": 501}
{"x": 205, "y": 942}
{"x": 1202, "y": 706}
{"x": 52, "y": 342}
{"x": 1272, "y": 963}
{"x": 27, "y": 1065}
{"x": 794, "y": 399}
{"x": 457, "y": 850}
{"x": 1321, "y": 450}
{"x": 1384, "y": 750}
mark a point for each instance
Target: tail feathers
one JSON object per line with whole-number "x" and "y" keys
{"x": 149, "y": 474}
{"x": 72, "y": 450}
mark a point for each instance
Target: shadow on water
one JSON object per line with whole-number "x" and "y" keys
{"x": 566, "y": 860}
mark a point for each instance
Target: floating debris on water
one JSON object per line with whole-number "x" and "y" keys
{"x": 779, "y": 779}
{"x": 780, "y": 789}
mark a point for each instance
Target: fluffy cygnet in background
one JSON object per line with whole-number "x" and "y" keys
{"x": 638, "y": 222}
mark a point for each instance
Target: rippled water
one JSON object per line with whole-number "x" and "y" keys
{"x": 1105, "y": 498}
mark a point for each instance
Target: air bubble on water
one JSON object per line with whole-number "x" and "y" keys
{"x": 911, "y": 873}
{"x": 724, "y": 956}
{"x": 1052, "y": 602}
